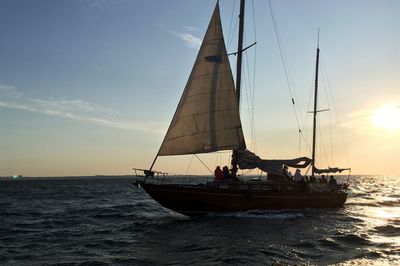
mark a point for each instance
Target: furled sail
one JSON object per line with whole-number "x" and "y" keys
{"x": 248, "y": 160}
{"x": 330, "y": 170}
{"x": 207, "y": 117}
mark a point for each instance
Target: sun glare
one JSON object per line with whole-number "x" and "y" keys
{"x": 387, "y": 116}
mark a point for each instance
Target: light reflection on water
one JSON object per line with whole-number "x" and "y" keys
{"x": 376, "y": 202}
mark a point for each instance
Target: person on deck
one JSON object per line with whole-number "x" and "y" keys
{"x": 218, "y": 174}
{"x": 297, "y": 176}
{"x": 287, "y": 174}
{"x": 332, "y": 180}
{"x": 323, "y": 179}
{"x": 225, "y": 170}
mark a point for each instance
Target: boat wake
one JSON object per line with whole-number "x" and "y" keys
{"x": 262, "y": 214}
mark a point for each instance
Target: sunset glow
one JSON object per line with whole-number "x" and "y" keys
{"x": 387, "y": 116}
{"x": 90, "y": 87}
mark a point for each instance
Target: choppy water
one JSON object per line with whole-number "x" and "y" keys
{"x": 111, "y": 222}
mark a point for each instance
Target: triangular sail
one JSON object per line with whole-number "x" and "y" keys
{"x": 207, "y": 117}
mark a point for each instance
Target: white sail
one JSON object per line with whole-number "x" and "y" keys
{"x": 207, "y": 117}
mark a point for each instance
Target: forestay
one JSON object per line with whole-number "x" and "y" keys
{"x": 207, "y": 117}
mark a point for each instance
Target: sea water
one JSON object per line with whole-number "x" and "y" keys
{"x": 108, "y": 221}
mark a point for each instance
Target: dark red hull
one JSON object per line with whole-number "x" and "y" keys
{"x": 201, "y": 199}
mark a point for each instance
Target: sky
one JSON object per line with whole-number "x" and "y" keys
{"x": 89, "y": 87}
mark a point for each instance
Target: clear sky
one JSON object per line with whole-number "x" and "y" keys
{"x": 89, "y": 87}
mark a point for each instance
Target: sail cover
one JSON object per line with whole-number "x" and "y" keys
{"x": 207, "y": 117}
{"x": 330, "y": 170}
{"x": 248, "y": 160}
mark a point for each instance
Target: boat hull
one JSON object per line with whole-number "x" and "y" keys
{"x": 195, "y": 200}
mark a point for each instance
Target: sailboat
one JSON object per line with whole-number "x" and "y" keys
{"x": 207, "y": 120}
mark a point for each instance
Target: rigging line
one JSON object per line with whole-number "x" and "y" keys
{"x": 254, "y": 73}
{"x": 220, "y": 156}
{"x": 306, "y": 120}
{"x": 248, "y": 71}
{"x": 248, "y": 100}
{"x": 249, "y": 89}
{"x": 292, "y": 91}
{"x": 203, "y": 164}
{"x": 308, "y": 170}
{"x": 190, "y": 163}
{"x": 322, "y": 142}
{"x": 337, "y": 117}
{"x": 305, "y": 141}
{"x": 249, "y": 96}
{"x": 284, "y": 63}
{"x": 254, "y": 21}
{"x": 299, "y": 145}
{"x": 246, "y": 66}
{"x": 230, "y": 26}
{"x": 331, "y": 137}
{"x": 234, "y": 30}
{"x": 325, "y": 86}
{"x": 253, "y": 100}
{"x": 227, "y": 158}
{"x": 282, "y": 54}
{"x": 338, "y": 122}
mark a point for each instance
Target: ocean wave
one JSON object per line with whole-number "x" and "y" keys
{"x": 368, "y": 261}
{"x": 390, "y": 203}
{"x": 353, "y": 239}
{"x": 109, "y": 222}
{"x": 124, "y": 260}
{"x": 366, "y": 204}
{"x": 195, "y": 247}
{"x": 387, "y": 230}
{"x": 371, "y": 253}
{"x": 331, "y": 244}
{"x": 373, "y": 202}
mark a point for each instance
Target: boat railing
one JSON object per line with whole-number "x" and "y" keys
{"x": 158, "y": 177}
{"x": 244, "y": 183}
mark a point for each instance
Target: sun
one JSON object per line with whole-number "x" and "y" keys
{"x": 387, "y": 116}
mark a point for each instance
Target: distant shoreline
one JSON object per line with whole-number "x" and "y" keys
{"x": 65, "y": 177}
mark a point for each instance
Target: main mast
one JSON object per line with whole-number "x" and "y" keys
{"x": 238, "y": 75}
{"x": 239, "y": 52}
{"x": 315, "y": 111}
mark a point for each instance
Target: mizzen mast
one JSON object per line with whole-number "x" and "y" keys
{"x": 315, "y": 109}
